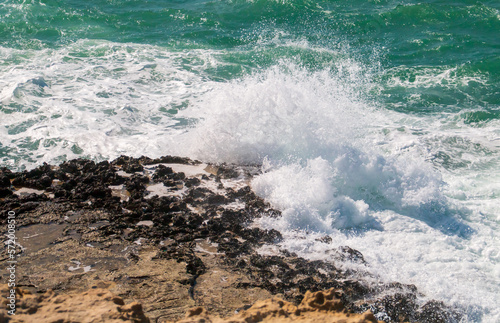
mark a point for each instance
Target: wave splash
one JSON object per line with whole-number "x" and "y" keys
{"x": 316, "y": 135}
{"x": 328, "y": 165}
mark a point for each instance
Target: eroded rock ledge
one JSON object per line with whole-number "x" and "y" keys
{"x": 100, "y": 305}
{"x": 318, "y": 307}
{"x": 172, "y": 234}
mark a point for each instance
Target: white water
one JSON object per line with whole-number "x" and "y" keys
{"x": 334, "y": 162}
{"x": 337, "y": 165}
{"x": 94, "y": 99}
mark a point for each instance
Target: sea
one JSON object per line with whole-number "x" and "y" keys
{"x": 374, "y": 122}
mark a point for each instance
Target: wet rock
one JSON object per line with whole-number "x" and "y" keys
{"x": 162, "y": 172}
{"x": 199, "y": 243}
{"x": 325, "y": 239}
{"x": 171, "y": 183}
{"x": 133, "y": 168}
{"x": 192, "y": 182}
{"x": 216, "y": 199}
{"x": 40, "y": 81}
{"x": 4, "y": 171}
{"x": 199, "y": 192}
{"x": 174, "y": 160}
{"x": 223, "y": 171}
{"x": 346, "y": 253}
{"x": 437, "y": 312}
{"x": 38, "y": 178}
{"x": 4, "y": 181}
{"x": 4, "y": 192}
{"x": 123, "y": 160}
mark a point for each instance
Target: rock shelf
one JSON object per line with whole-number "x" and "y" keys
{"x": 173, "y": 234}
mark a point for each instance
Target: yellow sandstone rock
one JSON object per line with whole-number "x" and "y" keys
{"x": 318, "y": 307}
{"x": 95, "y": 305}
{"x": 100, "y": 305}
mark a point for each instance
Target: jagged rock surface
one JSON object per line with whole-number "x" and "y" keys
{"x": 318, "y": 307}
{"x": 173, "y": 233}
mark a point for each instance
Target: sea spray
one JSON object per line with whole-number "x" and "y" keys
{"x": 284, "y": 112}
{"x": 332, "y": 168}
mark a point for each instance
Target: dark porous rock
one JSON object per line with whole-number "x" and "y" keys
{"x": 192, "y": 182}
{"x": 216, "y": 199}
{"x": 162, "y": 172}
{"x": 38, "y": 178}
{"x": 44, "y": 170}
{"x": 223, "y": 171}
{"x": 347, "y": 253}
{"x": 4, "y": 181}
{"x": 179, "y": 176}
{"x": 4, "y": 171}
{"x": 434, "y": 311}
{"x": 174, "y": 160}
{"x": 173, "y": 240}
{"x": 325, "y": 239}
{"x": 133, "y": 168}
{"x": 4, "y": 192}
{"x": 123, "y": 160}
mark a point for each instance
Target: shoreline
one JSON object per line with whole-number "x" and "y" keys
{"x": 173, "y": 233}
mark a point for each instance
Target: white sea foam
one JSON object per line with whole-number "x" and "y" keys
{"x": 425, "y": 77}
{"x": 94, "y": 98}
{"x": 368, "y": 178}
{"x": 277, "y": 114}
{"x": 417, "y": 195}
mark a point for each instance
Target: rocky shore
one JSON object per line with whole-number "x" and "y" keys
{"x": 172, "y": 234}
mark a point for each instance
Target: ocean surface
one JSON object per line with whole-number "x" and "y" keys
{"x": 376, "y": 122}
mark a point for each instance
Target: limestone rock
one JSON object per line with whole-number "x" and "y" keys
{"x": 318, "y": 307}
{"x": 95, "y": 305}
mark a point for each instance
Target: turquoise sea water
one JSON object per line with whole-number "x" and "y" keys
{"x": 377, "y": 122}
